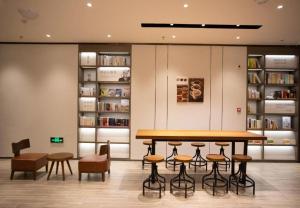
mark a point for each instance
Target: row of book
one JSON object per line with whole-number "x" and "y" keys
{"x": 284, "y": 94}
{"x": 87, "y": 91}
{"x": 253, "y": 78}
{"x": 253, "y": 94}
{"x": 123, "y": 106}
{"x": 279, "y": 78}
{"x": 87, "y": 105}
{"x": 253, "y": 63}
{"x": 106, "y": 60}
{"x": 254, "y": 123}
{"x": 87, "y": 121}
{"x": 115, "y": 92}
{"x": 113, "y": 74}
{"x": 270, "y": 124}
{"x": 111, "y": 122}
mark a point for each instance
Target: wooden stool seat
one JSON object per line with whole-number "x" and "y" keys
{"x": 241, "y": 158}
{"x": 223, "y": 144}
{"x": 183, "y": 158}
{"x": 147, "y": 142}
{"x": 174, "y": 143}
{"x": 198, "y": 144}
{"x": 215, "y": 157}
{"x": 154, "y": 158}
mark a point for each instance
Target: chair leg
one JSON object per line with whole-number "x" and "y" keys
{"x": 46, "y": 167}
{"x": 12, "y": 175}
{"x": 79, "y": 176}
{"x": 108, "y": 171}
{"x": 103, "y": 176}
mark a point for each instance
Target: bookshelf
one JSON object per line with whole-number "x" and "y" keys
{"x": 272, "y": 103}
{"x": 104, "y": 86}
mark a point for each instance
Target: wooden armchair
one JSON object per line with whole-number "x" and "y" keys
{"x": 27, "y": 161}
{"x": 96, "y": 163}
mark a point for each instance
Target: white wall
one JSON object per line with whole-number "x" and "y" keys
{"x": 38, "y": 90}
{"x": 225, "y": 88}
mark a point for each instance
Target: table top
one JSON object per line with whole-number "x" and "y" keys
{"x": 60, "y": 156}
{"x": 197, "y": 135}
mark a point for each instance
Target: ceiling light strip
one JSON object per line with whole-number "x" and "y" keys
{"x": 209, "y": 26}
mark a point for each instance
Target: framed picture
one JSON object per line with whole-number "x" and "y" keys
{"x": 182, "y": 93}
{"x": 196, "y": 89}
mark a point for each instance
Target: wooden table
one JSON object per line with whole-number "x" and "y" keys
{"x": 199, "y": 135}
{"x": 60, "y": 157}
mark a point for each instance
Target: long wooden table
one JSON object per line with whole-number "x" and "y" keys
{"x": 199, "y": 135}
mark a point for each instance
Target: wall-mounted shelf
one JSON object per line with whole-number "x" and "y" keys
{"x": 274, "y": 80}
{"x": 104, "y": 81}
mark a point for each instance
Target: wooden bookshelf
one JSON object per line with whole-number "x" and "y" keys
{"x": 272, "y": 70}
{"x": 108, "y": 57}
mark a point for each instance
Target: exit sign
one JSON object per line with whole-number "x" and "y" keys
{"x": 57, "y": 140}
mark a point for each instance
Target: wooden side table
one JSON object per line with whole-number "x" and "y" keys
{"x": 60, "y": 157}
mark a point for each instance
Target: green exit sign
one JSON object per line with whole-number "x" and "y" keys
{"x": 57, "y": 140}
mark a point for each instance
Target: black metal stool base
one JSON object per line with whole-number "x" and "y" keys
{"x": 148, "y": 152}
{"x": 155, "y": 182}
{"x": 182, "y": 181}
{"x": 170, "y": 160}
{"x": 227, "y": 162}
{"x": 198, "y": 160}
{"x": 214, "y": 179}
{"x": 241, "y": 179}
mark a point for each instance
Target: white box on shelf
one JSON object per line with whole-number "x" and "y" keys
{"x": 282, "y": 61}
{"x": 279, "y": 107}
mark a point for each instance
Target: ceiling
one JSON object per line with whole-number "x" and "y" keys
{"x": 73, "y": 21}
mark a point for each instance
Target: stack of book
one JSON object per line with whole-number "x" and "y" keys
{"x": 87, "y": 91}
{"x": 253, "y": 78}
{"x": 284, "y": 94}
{"x": 253, "y": 94}
{"x": 87, "y": 121}
{"x": 253, "y": 63}
{"x": 87, "y": 105}
{"x": 111, "y": 122}
{"x": 115, "y": 92}
{"x": 114, "y": 107}
{"x": 270, "y": 124}
{"x": 106, "y": 60}
{"x": 254, "y": 123}
{"x": 279, "y": 78}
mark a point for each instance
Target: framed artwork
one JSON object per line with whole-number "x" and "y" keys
{"x": 182, "y": 93}
{"x": 196, "y": 89}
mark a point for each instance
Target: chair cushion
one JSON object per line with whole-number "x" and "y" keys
{"x": 93, "y": 164}
{"x": 29, "y": 161}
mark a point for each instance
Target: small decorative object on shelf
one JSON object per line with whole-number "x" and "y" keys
{"x": 272, "y": 102}
{"x": 104, "y": 100}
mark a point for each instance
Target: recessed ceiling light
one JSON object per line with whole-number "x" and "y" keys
{"x": 89, "y": 4}
{"x": 185, "y": 5}
{"x": 280, "y": 6}
{"x": 238, "y": 37}
{"x": 171, "y": 24}
{"x": 173, "y": 36}
{"x": 109, "y": 35}
{"x": 237, "y": 25}
{"x": 203, "y": 25}
{"x": 48, "y": 35}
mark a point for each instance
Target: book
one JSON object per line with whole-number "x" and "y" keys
{"x": 286, "y": 122}
{"x": 118, "y": 92}
{"x": 112, "y": 92}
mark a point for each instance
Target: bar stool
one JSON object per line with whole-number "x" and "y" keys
{"x": 182, "y": 181}
{"x": 149, "y": 143}
{"x": 218, "y": 181}
{"x": 154, "y": 181}
{"x": 240, "y": 178}
{"x": 222, "y": 152}
{"x": 198, "y": 160}
{"x": 170, "y": 160}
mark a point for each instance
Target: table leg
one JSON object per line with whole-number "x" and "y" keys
{"x": 153, "y": 153}
{"x": 232, "y": 161}
{"x": 63, "y": 169}
{"x": 69, "y": 167}
{"x": 245, "y": 153}
{"x": 57, "y": 163}
{"x": 52, "y": 164}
